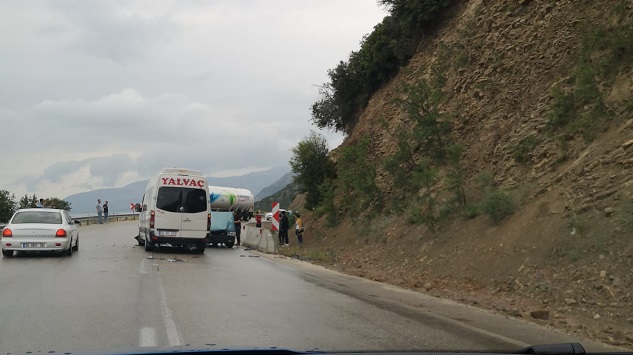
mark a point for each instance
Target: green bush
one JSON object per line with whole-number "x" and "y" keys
{"x": 423, "y": 210}
{"x": 497, "y": 205}
{"x": 524, "y": 147}
{"x": 327, "y": 207}
{"x": 471, "y": 211}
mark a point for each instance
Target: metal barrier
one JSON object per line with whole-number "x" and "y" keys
{"x": 111, "y": 218}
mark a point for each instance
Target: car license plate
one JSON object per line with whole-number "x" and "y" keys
{"x": 167, "y": 233}
{"x": 33, "y": 245}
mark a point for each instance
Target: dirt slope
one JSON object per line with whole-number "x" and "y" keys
{"x": 565, "y": 257}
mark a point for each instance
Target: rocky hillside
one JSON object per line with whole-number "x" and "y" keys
{"x": 539, "y": 94}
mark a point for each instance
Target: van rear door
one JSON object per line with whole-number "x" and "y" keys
{"x": 181, "y": 212}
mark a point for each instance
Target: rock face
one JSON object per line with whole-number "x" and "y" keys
{"x": 566, "y": 252}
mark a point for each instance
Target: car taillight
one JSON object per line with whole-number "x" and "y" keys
{"x": 60, "y": 233}
{"x": 151, "y": 219}
{"x": 209, "y": 221}
{"x": 7, "y": 233}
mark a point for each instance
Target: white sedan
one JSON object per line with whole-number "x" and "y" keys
{"x": 40, "y": 229}
{"x": 269, "y": 215}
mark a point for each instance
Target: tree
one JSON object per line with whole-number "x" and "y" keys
{"x": 312, "y": 166}
{"x": 54, "y": 202}
{"x": 28, "y": 202}
{"x": 8, "y": 205}
{"x": 455, "y": 176}
{"x": 357, "y": 181}
{"x": 429, "y": 129}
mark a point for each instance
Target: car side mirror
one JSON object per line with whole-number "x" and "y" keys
{"x": 77, "y": 222}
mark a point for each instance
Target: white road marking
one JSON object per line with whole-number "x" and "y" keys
{"x": 147, "y": 337}
{"x": 173, "y": 333}
{"x": 143, "y": 268}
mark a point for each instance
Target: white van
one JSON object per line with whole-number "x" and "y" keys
{"x": 175, "y": 210}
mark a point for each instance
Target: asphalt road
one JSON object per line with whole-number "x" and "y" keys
{"x": 110, "y": 295}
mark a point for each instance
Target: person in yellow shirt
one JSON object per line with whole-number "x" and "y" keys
{"x": 299, "y": 229}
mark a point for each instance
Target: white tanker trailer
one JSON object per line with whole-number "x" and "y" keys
{"x": 232, "y": 199}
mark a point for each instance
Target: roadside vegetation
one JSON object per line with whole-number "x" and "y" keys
{"x": 383, "y": 52}
{"x": 578, "y": 104}
{"x": 8, "y": 204}
{"x": 424, "y": 178}
{"x": 426, "y": 163}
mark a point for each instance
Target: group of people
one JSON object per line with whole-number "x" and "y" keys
{"x": 284, "y": 227}
{"x": 102, "y": 212}
{"x": 102, "y": 215}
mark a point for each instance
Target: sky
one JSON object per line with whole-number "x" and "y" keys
{"x": 99, "y": 94}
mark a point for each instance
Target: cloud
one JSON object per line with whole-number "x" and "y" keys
{"x": 99, "y": 93}
{"x": 113, "y": 32}
{"x": 130, "y": 133}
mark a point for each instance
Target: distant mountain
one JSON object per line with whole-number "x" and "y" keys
{"x": 285, "y": 196}
{"x": 119, "y": 198}
{"x": 276, "y": 186}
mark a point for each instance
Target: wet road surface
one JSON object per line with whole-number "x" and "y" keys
{"x": 110, "y": 295}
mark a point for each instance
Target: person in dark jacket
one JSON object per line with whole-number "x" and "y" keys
{"x": 283, "y": 228}
{"x": 238, "y": 226}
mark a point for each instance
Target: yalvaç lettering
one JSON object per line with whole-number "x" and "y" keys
{"x": 183, "y": 182}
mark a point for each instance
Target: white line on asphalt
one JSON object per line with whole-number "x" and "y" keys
{"x": 173, "y": 333}
{"x": 143, "y": 268}
{"x": 147, "y": 337}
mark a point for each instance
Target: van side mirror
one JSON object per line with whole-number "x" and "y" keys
{"x": 137, "y": 207}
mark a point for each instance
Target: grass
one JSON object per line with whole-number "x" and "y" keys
{"x": 308, "y": 254}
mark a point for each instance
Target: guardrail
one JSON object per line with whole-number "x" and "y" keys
{"x": 111, "y": 218}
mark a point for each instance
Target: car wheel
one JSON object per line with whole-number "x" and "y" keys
{"x": 69, "y": 251}
{"x": 76, "y": 247}
{"x": 7, "y": 253}
{"x": 148, "y": 245}
{"x": 140, "y": 241}
{"x": 229, "y": 244}
{"x": 200, "y": 248}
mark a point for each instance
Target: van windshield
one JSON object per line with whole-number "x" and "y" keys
{"x": 182, "y": 199}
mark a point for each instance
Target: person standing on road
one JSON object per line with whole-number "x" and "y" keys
{"x": 105, "y": 211}
{"x": 40, "y": 204}
{"x": 299, "y": 229}
{"x": 238, "y": 226}
{"x": 283, "y": 228}
{"x": 99, "y": 211}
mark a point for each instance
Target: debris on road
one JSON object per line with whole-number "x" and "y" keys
{"x": 175, "y": 260}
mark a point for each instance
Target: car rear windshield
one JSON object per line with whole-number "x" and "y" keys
{"x": 51, "y": 217}
{"x": 182, "y": 199}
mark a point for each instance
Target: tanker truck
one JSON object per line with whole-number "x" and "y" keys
{"x": 232, "y": 199}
